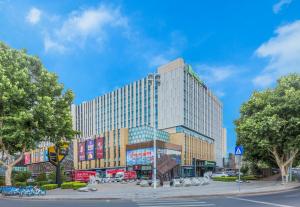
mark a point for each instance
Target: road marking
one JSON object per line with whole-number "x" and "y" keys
{"x": 260, "y": 202}
{"x": 168, "y": 202}
{"x": 183, "y": 205}
{"x": 179, "y": 203}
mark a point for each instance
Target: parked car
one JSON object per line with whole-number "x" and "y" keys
{"x": 126, "y": 175}
{"x": 219, "y": 174}
{"x": 231, "y": 173}
{"x": 83, "y": 176}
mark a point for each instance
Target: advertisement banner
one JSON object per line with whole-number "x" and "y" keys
{"x": 139, "y": 156}
{"x": 41, "y": 155}
{"x": 27, "y": 159}
{"x": 46, "y": 158}
{"x": 81, "y": 151}
{"x": 90, "y": 149}
{"x": 99, "y": 147}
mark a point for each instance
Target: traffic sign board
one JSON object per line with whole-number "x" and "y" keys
{"x": 239, "y": 150}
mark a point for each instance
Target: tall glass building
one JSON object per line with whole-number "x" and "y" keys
{"x": 182, "y": 104}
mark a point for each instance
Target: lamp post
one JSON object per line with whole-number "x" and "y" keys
{"x": 153, "y": 80}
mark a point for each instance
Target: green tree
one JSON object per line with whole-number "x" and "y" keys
{"x": 269, "y": 124}
{"x": 33, "y": 107}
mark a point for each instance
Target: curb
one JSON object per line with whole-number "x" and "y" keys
{"x": 264, "y": 192}
{"x": 56, "y": 199}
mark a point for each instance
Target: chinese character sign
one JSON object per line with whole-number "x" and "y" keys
{"x": 140, "y": 156}
{"x": 99, "y": 147}
{"x": 90, "y": 147}
{"x": 81, "y": 151}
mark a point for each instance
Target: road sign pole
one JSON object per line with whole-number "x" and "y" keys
{"x": 239, "y": 150}
{"x": 240, "y": 160}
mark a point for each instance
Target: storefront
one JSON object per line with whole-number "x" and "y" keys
{"x": 140, "y": 157}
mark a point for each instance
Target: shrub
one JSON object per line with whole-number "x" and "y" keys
{"x": 20, "y": 184}
{"x": 41, "y": 177}
{"x": 52, "y": 176}
{"x": 249, "y": 177}
{"x": 2, "y": 182}
{"x": 41, "y": 183}
{"x": 72, "y": 185}
{"x": 79, "y": 185}
{"x": 21, "y": 176}
{"x": 49, "y": 186}
{"x": 31, "y": 183}
{"x": 67, "y": 185}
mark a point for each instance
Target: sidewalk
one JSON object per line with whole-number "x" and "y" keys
{"x": 135, "y": 192}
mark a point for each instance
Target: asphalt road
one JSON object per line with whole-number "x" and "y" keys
{"x": 284, "y": 199}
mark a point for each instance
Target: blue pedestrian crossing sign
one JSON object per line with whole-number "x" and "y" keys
{"x": 239, "y": 150}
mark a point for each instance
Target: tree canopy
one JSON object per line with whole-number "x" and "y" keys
{"x": 269, "y": 124}
{"x": 34, "y": 107}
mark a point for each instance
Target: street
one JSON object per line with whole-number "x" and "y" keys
{"x": 284, "y": 199}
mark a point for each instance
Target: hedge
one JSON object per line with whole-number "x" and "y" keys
{"x": 79, "y": 185}
{"x": 234, "y": 178}
{"x": 225, "y": 179}
{"x": 49, "y": 186}
{"x": 20, "y": 184}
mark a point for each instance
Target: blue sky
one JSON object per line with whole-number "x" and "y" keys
{"x": 236, "y": 47}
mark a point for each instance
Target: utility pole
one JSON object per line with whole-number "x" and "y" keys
{"x": 154, "y": 80}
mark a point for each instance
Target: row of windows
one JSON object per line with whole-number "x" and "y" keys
{"x": 129, "y": 106}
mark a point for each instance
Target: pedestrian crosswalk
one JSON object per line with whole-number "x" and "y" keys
{"x": 173, "y": 202}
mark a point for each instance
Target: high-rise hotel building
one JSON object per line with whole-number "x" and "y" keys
{"x": 181, "y": 103}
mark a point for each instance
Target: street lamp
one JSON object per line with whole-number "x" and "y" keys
{"x": 154, "y": 80}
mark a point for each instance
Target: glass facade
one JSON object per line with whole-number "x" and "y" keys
{"x": 145, "y": 134}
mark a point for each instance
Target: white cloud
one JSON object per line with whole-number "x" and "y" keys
{"x": 89, "y": 23}
{"x": 158, "y": 60}
{"x": 282, "y": 52}
{"x": 213, "y": 74}
{"x": 219, "y": 93}
{"x": 163, "y": 53}
{"x": 49, "y": 44}
{"x": 278, "y": 6}
{"x": 33, "y": 16}
{"x": 263, "y": 80}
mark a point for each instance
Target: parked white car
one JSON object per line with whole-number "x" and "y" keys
{"x": 219, "y": 174}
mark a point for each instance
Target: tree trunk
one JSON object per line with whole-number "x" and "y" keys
{"x": 9, "y": 168}
{"x": 58, "y": 176}
{"x": 8, "y": 173}
{"x": 283, "y": 163}
{"x": 283, "y": 173}
{"x": 58, "y": 172}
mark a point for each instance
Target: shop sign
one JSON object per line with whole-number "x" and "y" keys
{"x": 90, "y": 149}
{"x": 210, "y": 164}
{"x": 146, "y": 167}
{"x": 139, "y": 156}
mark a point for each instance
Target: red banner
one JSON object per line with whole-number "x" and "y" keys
{"x": 27, "y": 159}
{"x": 99, "y": 147}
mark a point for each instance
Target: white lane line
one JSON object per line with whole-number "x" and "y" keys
{"x": 260, "y": 202}
{"x": 169, "y": 203}
{"x": 184, "y": 205}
